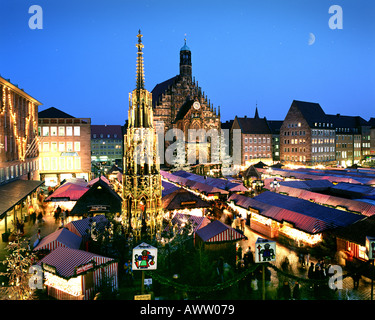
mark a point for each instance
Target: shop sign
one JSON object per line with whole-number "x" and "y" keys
{"x": 48, "y": 268}
{"x": 99, "y": 208}
{"x": 265, "y": 250}
{"x": 84, "y": 268}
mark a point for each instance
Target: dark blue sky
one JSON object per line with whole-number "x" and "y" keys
{"x": 83, "y": 61}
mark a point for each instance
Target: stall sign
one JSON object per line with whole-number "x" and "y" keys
{"x": 370, "y": 247}
{"x": 84, "y": 268}
{"x": 144, "y": 257}
{"x": 48, "y": 268}
{"x": 265, "y": 250}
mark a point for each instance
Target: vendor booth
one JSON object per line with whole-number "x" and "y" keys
{"x": 72, "y": 274}
{"x": 60, "y": 238}
{"x": 218, "y": 239}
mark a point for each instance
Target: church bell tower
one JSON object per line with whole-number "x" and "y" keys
{"x": 185, "y": 62}
{"x": 142, "y": 187}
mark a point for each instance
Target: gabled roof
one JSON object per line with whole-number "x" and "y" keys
{"x": 350, "y": 122}
{"x": 217, "y": 231}
{"x": 80, "y": 227}
{"x": 99, "y": 194}
{"x": 62, "y": 237}
{"x": 53, "y": 112}
{"x": 312, "y": 112}
{"x": 66, "y": 260}
{"x": 68, "y": 192}
{"x": 160, "y": 88}
{"x": 181, "y": 199}
{"x": 253, "y": 125}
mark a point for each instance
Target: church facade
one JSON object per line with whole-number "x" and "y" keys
{"x": 179, "y": 103}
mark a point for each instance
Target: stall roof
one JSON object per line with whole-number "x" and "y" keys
{"x": 62, "y": 237}
{"x": 181, "y": 199}
{"x": 68, "y": 192}
{"x": 197, "y": 222}
{"x": 99, "y": 198}
{"x": 217, "y": 231}
{"x": 361, "y": 207}
{"x": 302, "y": 214}
{"x": 14, "y": 192}
{"x": 65, "y": 260}
{"x": 168, "y": 188}
{"x": 334, "y": 217}
{"x": 80, "y": 227}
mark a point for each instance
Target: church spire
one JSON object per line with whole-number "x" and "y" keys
{"x": 140, "y": 69}
{"x": 256, "y": 116}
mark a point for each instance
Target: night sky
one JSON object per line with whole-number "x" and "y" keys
{"x": 244, "y": 52}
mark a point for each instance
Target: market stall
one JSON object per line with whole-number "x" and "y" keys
{"x": 72, "y": 274}
{"x": 219, "y": 239}
{"x": 60, "y": 238}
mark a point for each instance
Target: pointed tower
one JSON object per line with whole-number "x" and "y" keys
{"x": 142, "y": 187}
{"x": 256, "y": 116}
{"x": 185, "y": 62}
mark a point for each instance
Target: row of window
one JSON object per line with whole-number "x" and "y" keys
{"x": 61, "y": 146}
{"x": 257, "y": 140}
{"x": 17, "y": 170}
{"x": 323, "y": 141}
{"x": 295, "y": 150}
{"x": 325, "y": 133}
{"x": 104, "y": 146}
{"x": 295, "y": 158}
{"x": 295, "y": 133}
{"x": 103, "y": 136}
{"x": 60, "y": 163}
{"x": 259, "y": 156}
{"x": 323, "y": 149}
{"x": 257, "y": 148}
{"x": 106, "y": 153}
{"x": 59, "y": 131}
{"x": 295, "y": 141}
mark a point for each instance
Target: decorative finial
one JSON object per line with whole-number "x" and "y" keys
{"x": 140, "y": 71}
{"x": 185, "y": 39}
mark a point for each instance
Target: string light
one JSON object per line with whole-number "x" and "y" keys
{"x": 21, "y": 141}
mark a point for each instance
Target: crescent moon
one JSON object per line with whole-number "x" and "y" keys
{"x": 311, "y": 39}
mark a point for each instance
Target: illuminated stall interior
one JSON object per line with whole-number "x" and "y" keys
{"x": 301, "y": 221}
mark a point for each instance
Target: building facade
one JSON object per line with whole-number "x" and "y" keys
{"x": 307, "y": 135}
{"x": 107, "y": 144}
{"x": 19, "y": 183}
{"x": 256, "y": 140}
{"x": 352, "y": 139}
{"x": 179, "y": 103}
{"x": 141, "y": 179}
{"x": 65, "y": 147}
{"x": 18, "y": 133}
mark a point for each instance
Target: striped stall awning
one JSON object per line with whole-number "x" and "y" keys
{"x": 80, "y": 227}
{"x": 60, "y": 238}
{"x": 66, "y": 260}
{"x": 217, "y": 231}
